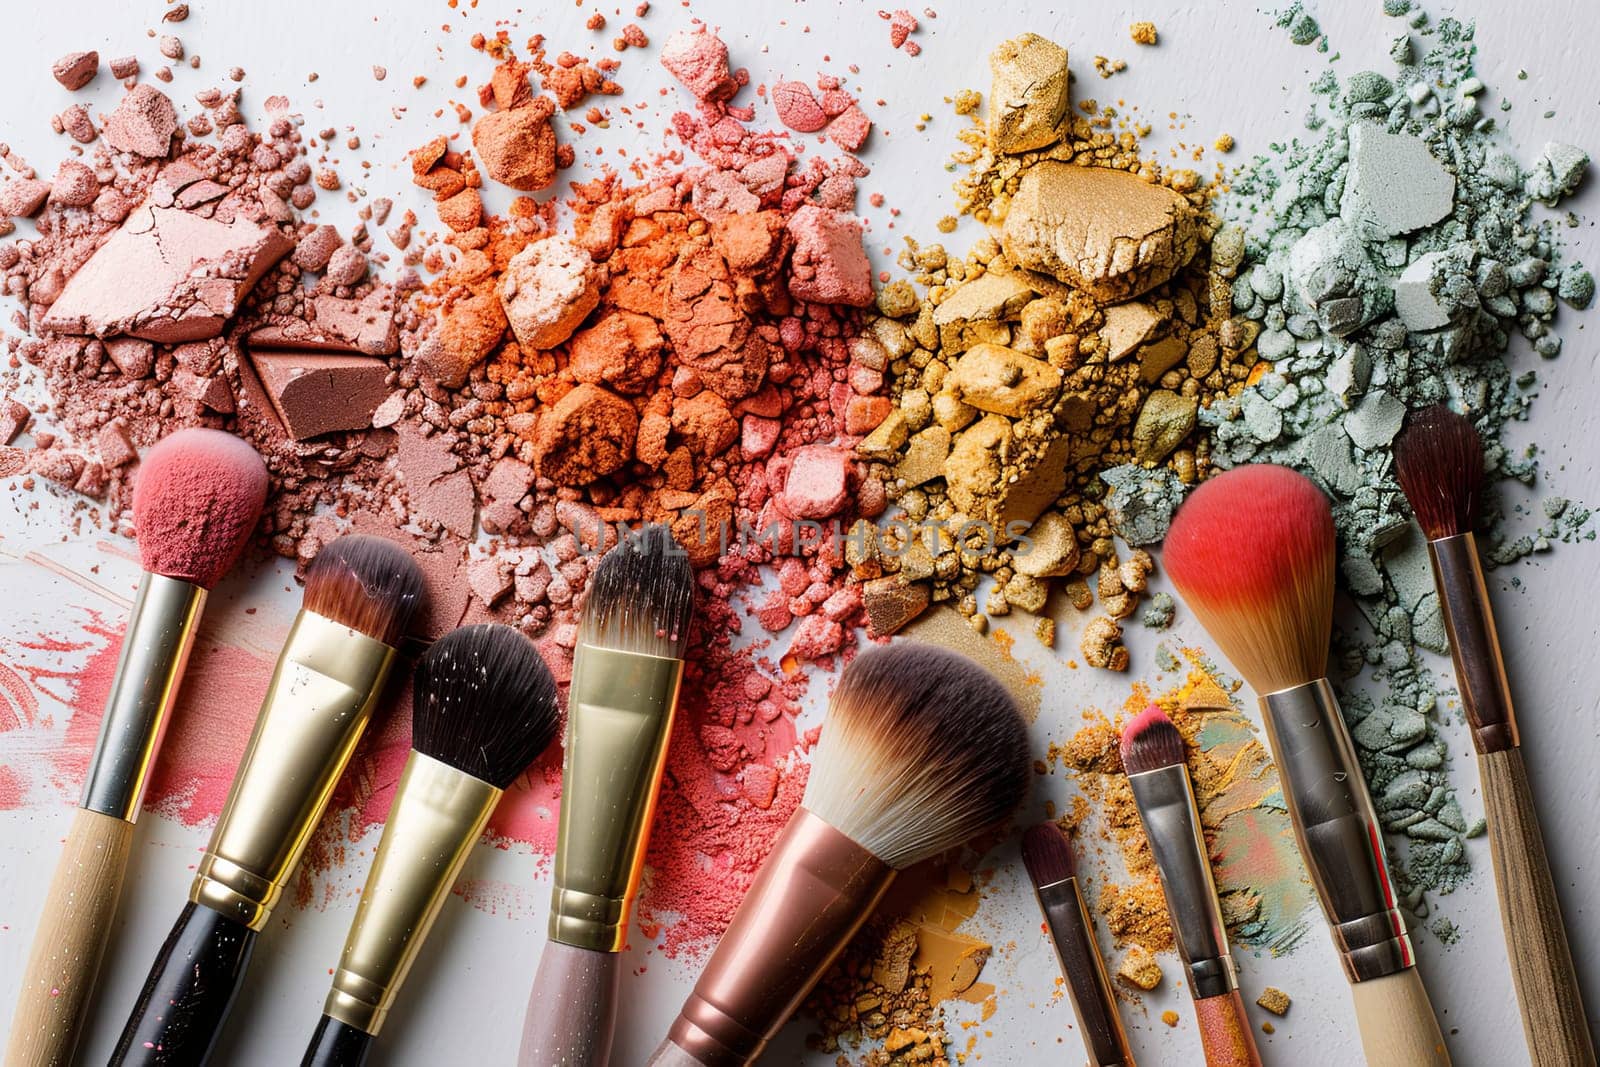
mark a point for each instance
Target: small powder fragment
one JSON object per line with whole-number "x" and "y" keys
{"x": 1143, "y": 32}
{"x": 1139, "y": 968}
{"x": 1274, "y": 1000}
{"x": 699, "y": 60}
{"x": 76, "y": 69}
{"x": 143, "y": 123}
{"x": 124, "y": 67}
{"x": 548, "y": 289}
{"x": 518, "y": 147}
{"x": 1169, "y": 1017}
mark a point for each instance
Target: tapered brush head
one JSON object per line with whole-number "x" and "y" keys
{"x": 1150, "y": 742}
{"x": 1439, "y": 461}
{"x": 484, "y": 702}
{"x": 197, "y": 497}
{"x": 366, "y": 583}
{"x": 1047, "y": 854}
{"x": 921, "y": 750}
{"x": 641, "y": 596}
{"x": 1252, "y": 553}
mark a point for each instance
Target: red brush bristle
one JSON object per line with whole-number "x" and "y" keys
{"x": 1047, "y": 854}
{"x": 1252, "y": 553}
{"x": 1439, "y": 462}
{"x": 197, "y": 497}
{"x": 1150, "y": 741}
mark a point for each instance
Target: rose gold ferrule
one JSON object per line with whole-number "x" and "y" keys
{"x": 809, "y": 899}
{"x": 1474, "y": 642}
{"x": 1093, "y": 1000}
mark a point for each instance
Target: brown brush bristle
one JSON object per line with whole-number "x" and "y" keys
{"x": 366, "y": 583}
{"x": 921, "y": 750}
{"x": 1439, "y": 461}
{"x": 1252, "y": 553}
{"x": 641, "y": 597}
{"x": 1150, "y": 742}
{"x": 1047, "y": 854}
{"x": 484, "y": 702}
{"x": 196, "y": 499}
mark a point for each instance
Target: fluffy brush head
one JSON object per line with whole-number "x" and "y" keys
{"x": 641, "y": 596}
{"x": 484, "y": 702}
{"x": 1047, "y": 854}
{"x": 366, "y": 583}
{"x": 1150, "y": 742}
{"x": 197, "y": 497}
{"x": 1439, "y": 461}
{"x": 1252, "y": 552}
{"x": 921, "y": 750}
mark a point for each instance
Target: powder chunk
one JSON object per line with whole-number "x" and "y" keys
{"x": 1106, "y": 231}
{"x": 1029, "y": 93}
{"x": 76, "y": 69}
{"x": 622, "y": 351}
{"x": 588, "y": 434}
{"x": 22, "y": 198}
{"x": 891, "y": 603}
{"x": 1274, "y": 1000}
{"x": 14, "y": 416}
{"x": 1004, "y": 381}
{"x": 1557, "y": 172}
{"x": 143, "y": 123}
{"x": 818, "y": 482}
{"x": 1143, "y": 32}
{"x": 166, "y": 275}
{"x": 518, "y": 147}
{"x": 797, "y": 106}
{"x": 133, "y": 357}
{"x": 467, "y": 328}
{"x": 75, "y": 185}
{"x": 699, "y": 60}
{"x": 547, "y": 290}
{"x": 849, "y": 131}
{"x": 991, "y": 478}
{"x": 1394, "y": 185}
{"x": 1139, "y": 968}
{"x": 830, "y": 265}
{"x": 315, "y": 393}
{"x": 1050, "y": 550}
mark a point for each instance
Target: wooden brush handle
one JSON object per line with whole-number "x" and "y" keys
{"x": 337, "y": 1044}
{"x": 1397, "y": 1025}
{"x": 69, "y": 942}
{"x": 1225, "y": 1031}
{"x": 1536, "y": 938}
{"x": 186, "y": 998}
{"x": 572, "y": 1011}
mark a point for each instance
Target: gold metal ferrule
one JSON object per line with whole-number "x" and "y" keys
{"x": 1474, "y": 642}
{"x": 1171, "y": 818}
{"x": 619, "y": 717}
{"x": 155, "y": 649}
{"x": 439, "y": 812}
{"x": 1337, "y": 829}
{"x": 323, "y": 690}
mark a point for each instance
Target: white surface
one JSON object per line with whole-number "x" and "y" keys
{"x": 1224, "y": 68}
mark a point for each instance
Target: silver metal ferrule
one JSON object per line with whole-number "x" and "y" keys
{"x": 1337, "y": 829}
{"x": 1171, "y": 818}
{"x": 1474, "y": 642}
{"x": 155, "y": 649}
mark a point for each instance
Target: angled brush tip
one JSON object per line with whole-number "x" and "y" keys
{"x": 1047, "y": 854}
{"x": 922, "y": 749}
{"x": 1150, "y": 741}
{"x": 641, "y": 597}
{"x": 1438, "y": 460}
{"x": 1252, "y": 552}
{"x": 484, "y": 702}
{"x": 196, "y": 499}
{"x": 367, "y": 583}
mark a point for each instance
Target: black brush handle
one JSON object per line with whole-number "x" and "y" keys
{"x": 337, "y": 1044}
{"x": 188, "y": 993}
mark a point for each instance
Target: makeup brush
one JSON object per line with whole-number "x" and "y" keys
{"x": 1252, "y": 552}
{"x": 620, "y": 706}
{"x": 1047, "y": 855}
{"x": 921, "y": 750}
{"x": 197, "y": 497}
{"x": 1439, "y": 461}
{"x": 360, "y": 595}
{"x": 1153, "y": 757}
{"x": 484, "y": 707}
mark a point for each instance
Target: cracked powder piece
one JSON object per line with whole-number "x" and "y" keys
{"x": 1029, "y": 93}
{"x": 166, "y": 275}
{"x": 1139, "y": 968}
{"x": 1274, "y": 1000}
{"x": 315, "y": 393}
{"x": 1106, "y": 231}
{"x": 992, "y": 479}
{"x": 1394, "y": 185}
{"x": 548, "y": 289}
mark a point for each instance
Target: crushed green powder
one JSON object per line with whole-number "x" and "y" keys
{"x": 1392, "y": 258}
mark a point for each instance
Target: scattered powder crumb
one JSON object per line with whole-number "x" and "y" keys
{"x": 1143, "y": 32}
{"x": 1169, "y": 1017}
{"x": 1274, "y": 1000}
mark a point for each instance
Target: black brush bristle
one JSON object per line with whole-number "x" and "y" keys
{"x": 366, "y": 583}
{"x": 641, "y": 596}
{"x": 1439, "y": 461}
{"x": 1150, "y": 742}
{"x": 484, "y": 702}
{"x": 1047, "y": 854}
